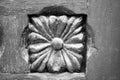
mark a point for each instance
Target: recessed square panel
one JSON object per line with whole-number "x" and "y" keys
{"x": 57, "y": 41}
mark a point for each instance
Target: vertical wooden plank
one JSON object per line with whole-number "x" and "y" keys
{"x": 12, "y": 61}
{"x": 104, "y": 17}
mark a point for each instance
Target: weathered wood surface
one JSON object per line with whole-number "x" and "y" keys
{"x": 103, "y": 17}
{"x": 13, "y": 19}
{"x": 64, "y": 43}
{"x": 11, "y": 60}
{"x": 43, "y": 76}
{"x": 8, "y": 7}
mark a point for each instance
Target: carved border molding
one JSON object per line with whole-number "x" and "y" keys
{"x": 58, "y": 40}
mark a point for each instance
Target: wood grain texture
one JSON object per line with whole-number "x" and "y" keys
{"x": 12, "y": 61}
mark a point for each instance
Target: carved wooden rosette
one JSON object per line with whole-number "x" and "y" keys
{"x": 56, "y": 43}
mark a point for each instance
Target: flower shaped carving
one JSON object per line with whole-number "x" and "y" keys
{"x": 56, "y": 43}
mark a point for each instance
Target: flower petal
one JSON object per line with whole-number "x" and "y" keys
{"x": 51, "y": 61}
{"x": 69, "y": 65}
{"x": 56, "y": 62}
{"x": 38, "y": 47}
{"x": 77, "y": 31}
{"x": 74, "y": 47}
{"x": 59, "y": 63}
{"x": 34, "y": 56}
{"x": 32, "y": 27}
{"x": 79, "y": 56}
{"x": 76, "y": 64}
{"x": 45, "y": 22}
{"x": 43, "y": 64}
{"x": 53, "y": 21}
{"x": 69, "y": 23}
{"x": 62, "y": 59}
{"x": 40, "y": 27}
{"x": 74, "y": 26}
{"x": 76, "y": 38}
{"x": 36, "y": 36}
{"x": 62, "y": 21}
{"x": 36, "y": 64}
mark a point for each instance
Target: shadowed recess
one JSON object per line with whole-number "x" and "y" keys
{"x": 47, "y": 12}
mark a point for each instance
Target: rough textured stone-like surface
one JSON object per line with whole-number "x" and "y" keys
{"x": 29, "y": 6}
{"x": 104, "y": 17}
{"x": 13, "y": 19}
{"x": 63, "y": 47}
{"x": 11, "y": 59}
{"x": 43, "y": 76}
